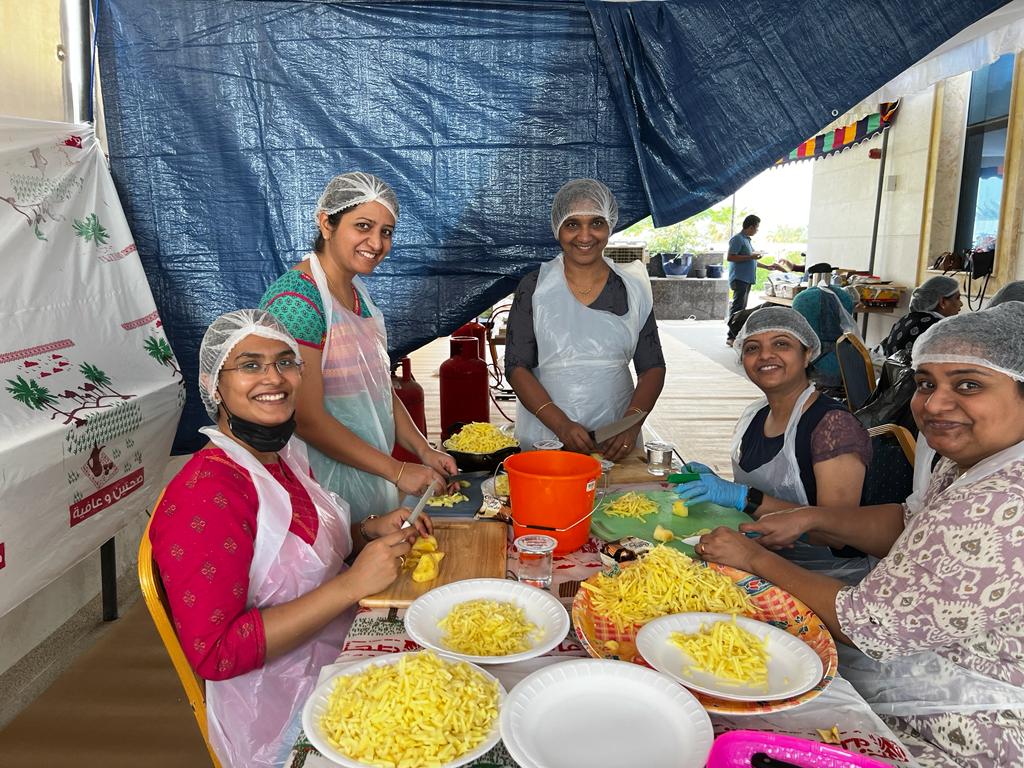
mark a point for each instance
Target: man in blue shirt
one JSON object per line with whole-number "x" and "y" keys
{"x": 743, "y": 264}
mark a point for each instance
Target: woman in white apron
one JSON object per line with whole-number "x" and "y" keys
{"x": 793, "y": 446}
{"x": 937, "y": 627}
{"x": 251, "y": 549}
{"x": 348, "y": 412}
{"x": 575, "y": 326}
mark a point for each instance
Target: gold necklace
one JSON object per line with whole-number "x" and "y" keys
{"x": 582, "y": 291}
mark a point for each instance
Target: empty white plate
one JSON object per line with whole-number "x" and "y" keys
{"x": 540, "y": 607}
{"x": 793, "y": 666}
{"x": 603, "y": 714}
{"x": 316, "y": 705}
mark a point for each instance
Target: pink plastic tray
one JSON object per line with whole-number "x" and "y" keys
{"x": 737, "y": 749}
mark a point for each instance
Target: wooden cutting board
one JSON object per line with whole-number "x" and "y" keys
{"x": 632, "y": 469}
{"x": 474, "y": 549}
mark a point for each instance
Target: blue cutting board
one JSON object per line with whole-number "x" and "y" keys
{"x": 706, "y": 515}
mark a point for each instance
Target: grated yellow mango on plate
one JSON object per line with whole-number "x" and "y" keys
{"x": 479, "y": 437}
{"x": 488, "y": 628}
{"x": 662, "y": 582}
{"x": 727, "y": 651}
{"x": 420, "y": 711}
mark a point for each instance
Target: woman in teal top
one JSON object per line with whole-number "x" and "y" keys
{"x": 347, "y": 411}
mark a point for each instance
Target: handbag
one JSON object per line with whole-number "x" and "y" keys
{"x": 949, "y": 262}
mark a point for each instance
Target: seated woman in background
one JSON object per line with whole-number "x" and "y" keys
{"x": 793, "y": 447}
{"x": 573, "y": 328}
{"x": 829, "y": 313}
{"x": 935, "y": 299}
{"x": 1010, "y": 292}
{"x": 940, "y": 619}
{"x": 251, "y": 549}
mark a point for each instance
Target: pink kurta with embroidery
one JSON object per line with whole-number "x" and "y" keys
{"x": 202, "y": 536}
{"x": 953, "y": 585}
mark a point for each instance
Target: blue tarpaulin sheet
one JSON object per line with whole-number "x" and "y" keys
{"x": 226, "y": 118}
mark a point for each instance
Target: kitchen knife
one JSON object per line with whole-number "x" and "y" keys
{"x": 419, "y": 505}
{"x": 601, "y": 434}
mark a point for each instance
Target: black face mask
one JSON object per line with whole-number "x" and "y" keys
{"x": 258, "y": 436}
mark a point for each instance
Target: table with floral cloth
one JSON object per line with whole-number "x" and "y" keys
{"x": 378, "y": 631}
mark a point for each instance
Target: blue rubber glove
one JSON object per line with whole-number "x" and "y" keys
{"x": 712, "y": 488}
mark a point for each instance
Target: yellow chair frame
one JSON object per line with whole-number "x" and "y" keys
{"x": 156, "y": 601}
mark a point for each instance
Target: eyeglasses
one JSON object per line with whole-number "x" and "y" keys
{"x": 284, "y": 367}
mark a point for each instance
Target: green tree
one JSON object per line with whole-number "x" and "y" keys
{"x": 160, "y": 351}
{"x": 90, "y": 228}
{"x": 37, "y": 397}
{"x": 98, "y": 379}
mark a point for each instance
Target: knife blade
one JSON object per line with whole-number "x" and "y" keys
{"x": 601, "y": 434}
{"x": 420, "y": 505}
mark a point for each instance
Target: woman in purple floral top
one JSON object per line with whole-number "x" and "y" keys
{"x": 937, "y": 628}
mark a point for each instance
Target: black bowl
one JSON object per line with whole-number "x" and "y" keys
{"x": 481, "y": 462}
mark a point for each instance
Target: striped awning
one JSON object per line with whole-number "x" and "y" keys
{"x": 845, "y": 136}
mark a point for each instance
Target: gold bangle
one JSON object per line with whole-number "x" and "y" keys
{"x": 400, "y": 471}
{"x": 549, "y": 402}
{"x": 637, "y": 410}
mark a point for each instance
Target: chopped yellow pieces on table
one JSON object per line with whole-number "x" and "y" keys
{"x": 679, "y": 508}
{"x": 447, "y": 500}
{"x": 501, "y": 485}
{"x": 632, "y": 504}
{"x": 662, "y": 582}
{"x": 488, "y": 628}
{"x": 830, "y": 736}
{"x": 727, "y": 651}
{"x": 420, "y": 711}
{"x": 424, "y": 559}
{"x": 479, "y": 437}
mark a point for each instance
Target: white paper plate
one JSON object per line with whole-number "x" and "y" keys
{"x": 316, "y": 705}
{"x": 793, "y": 666}
{"x": 542, "y": 608}
{"x": 603, "y": 714}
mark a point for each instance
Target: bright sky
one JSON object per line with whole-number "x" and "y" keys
{"x": 779, "y": 195}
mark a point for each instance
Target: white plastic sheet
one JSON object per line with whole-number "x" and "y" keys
{"x": 90, "y": 391}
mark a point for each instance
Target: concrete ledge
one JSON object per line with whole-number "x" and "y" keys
{"x": 677, "y": 298}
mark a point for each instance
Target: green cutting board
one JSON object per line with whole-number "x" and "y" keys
{"x": 706, "y": 515}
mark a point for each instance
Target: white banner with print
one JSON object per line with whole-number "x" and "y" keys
{"x": 90, "y": 392}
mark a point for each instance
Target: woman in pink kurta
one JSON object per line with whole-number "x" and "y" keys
{"x": 936, "y": 630}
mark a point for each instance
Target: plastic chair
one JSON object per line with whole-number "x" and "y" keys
{"x": 856, "y": 370}
{"x": 156, "y": 601}
{"x": 890, "y": 478}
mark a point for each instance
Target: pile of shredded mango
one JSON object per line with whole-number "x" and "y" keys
{"x": 632, "y": 504}
{"x": 662, "y": 582}
{"x": 488, "y": 628}
{"x": 479, "y": 437}
{"x": 421, "y": 711}
{"x": 727, "y": 651}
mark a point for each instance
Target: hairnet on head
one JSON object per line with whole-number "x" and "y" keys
{"x": 928, "y": 294}
{"x": 222, "y": 336}
{"x": 583, "y": 197}
{"x": 351, "y": 189}
{"x": 780, "y": 320}
{"x": 1010, "y": 292}
{"x": 991, "y": 339}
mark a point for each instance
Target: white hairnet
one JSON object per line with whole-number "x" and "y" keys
{"x": 928, "y": 294}
{"x": 1010, "y": 292}
{"x": 584, "y": 197}
{"x": 992, "y": 339}
{"x": 222, "y": 336}
{"x": 351, "y": 189}
{"x": 781, "y": 320}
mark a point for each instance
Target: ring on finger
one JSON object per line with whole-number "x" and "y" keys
{"x": 402, "y": 559}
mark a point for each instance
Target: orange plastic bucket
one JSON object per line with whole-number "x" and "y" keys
{"x": 552, "y": 492}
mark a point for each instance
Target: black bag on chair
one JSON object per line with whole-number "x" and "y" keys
{"x": 890, "y": 402}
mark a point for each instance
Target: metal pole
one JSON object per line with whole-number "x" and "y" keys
{"x": 108, "y": 579}
{"x": 76, "y": 47}
{"x": 874, "y": 225}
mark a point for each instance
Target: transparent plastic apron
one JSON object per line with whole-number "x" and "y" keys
{"x": 926, "y": 683}
{"x": 780, "y": 477}
{"x": 254, "y": 718}
{"x": 357, "y": 392}
{"x": 583, "y": 355}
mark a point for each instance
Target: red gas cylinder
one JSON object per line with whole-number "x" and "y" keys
{"x": 473, "y": 328}
{"x": 411, "y": 394}
{"x": 465, "y": 392}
